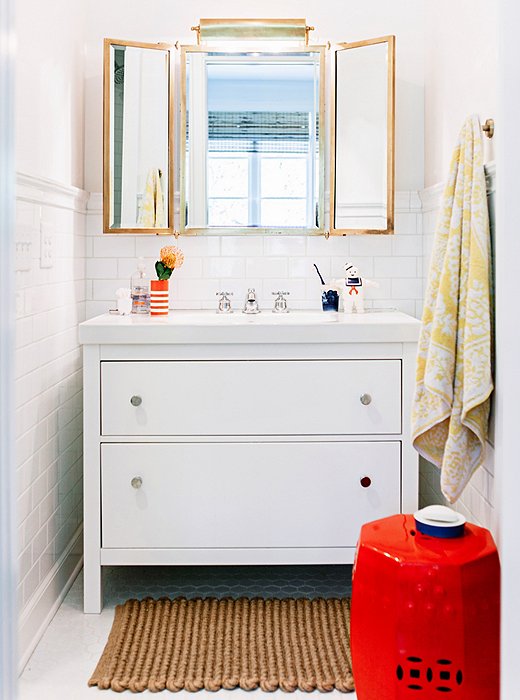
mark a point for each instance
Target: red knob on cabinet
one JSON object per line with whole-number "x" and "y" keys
{"x": 365, "y": 482}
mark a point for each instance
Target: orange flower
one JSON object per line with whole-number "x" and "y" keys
{"x": 171, "y": 256}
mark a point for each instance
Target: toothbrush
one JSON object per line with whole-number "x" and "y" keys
{"x": 319, "y": 275}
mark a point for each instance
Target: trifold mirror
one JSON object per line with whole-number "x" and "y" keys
{"x": 252, "y": 139}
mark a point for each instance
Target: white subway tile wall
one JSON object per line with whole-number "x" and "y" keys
{"x": 477, "y": 502}
{"x": 235, "y": 263}
{"x": 50, "y": 302}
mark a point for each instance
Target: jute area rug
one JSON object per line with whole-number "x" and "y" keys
{"x": 179, "y": 644}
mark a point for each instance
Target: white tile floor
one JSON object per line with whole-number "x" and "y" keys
{"x": 72, "y": 644}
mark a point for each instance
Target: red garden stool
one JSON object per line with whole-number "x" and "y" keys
{"x": 425, "y": 615}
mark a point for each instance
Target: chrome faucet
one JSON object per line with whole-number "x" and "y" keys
{"x": 251, "y": 304}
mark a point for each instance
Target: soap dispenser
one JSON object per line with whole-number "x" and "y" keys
{"x": 140, "y": 289}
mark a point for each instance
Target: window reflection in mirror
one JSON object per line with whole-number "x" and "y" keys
{"x": 252, "y": 141}
{"x": 138, "y": 138}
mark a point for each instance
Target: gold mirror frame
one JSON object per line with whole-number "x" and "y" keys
{"x": 390, "y": 40}
{"x": 223, "y": 231}
{"x": 107, "y": 174}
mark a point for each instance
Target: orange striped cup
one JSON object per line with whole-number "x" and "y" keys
{"x": 159, "y": 297}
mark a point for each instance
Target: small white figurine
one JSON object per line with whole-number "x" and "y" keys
{"x": 351, "y": 289}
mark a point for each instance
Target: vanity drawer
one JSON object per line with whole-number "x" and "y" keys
{"x": 264, "y": 397}
{"x": 227, "y": 495}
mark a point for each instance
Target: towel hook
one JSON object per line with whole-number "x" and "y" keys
{"x": 489, "y": 128}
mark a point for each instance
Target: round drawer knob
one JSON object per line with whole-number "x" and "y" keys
{"x": 365, "y": 399}
{"x": 136, "y": 400}
{"x": 136, "y": 482}
{"x": 365, "y": 482}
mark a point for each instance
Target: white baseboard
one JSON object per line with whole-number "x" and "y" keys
{"x": 48, "y": 597}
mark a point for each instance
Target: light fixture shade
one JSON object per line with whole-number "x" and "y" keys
{"x": 253, "y": 29}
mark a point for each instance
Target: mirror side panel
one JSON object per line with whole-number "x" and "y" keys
{"x": 362, "y": 138}
{"x": 137, "y": 138}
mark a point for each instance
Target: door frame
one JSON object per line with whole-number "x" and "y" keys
{"x": 507, "y": 256}
{"x": 8, "y": 539}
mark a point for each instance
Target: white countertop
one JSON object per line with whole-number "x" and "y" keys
{"x": 208, "y": 327}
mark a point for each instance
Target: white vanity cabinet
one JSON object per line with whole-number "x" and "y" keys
{"x": 213, "y": 440}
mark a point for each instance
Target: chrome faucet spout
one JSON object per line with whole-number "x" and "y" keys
{"x": 251, "y": 304}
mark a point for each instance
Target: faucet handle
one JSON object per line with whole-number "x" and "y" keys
{"x": 224, "y": 305}
{"x": 280, "y": 303}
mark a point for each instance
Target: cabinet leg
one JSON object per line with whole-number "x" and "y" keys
{"x": 92, "y": 588}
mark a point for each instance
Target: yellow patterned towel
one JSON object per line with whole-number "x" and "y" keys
{"x": 151, "y": 210}
{"x": 454, "y": 383}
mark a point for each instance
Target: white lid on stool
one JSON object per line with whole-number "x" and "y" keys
{"x": 437, "y": 518}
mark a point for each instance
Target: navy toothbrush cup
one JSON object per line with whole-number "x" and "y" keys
{"x": 330, "y": 300}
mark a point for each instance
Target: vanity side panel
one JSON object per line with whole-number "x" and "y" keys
{"x": 91, "y": 480}
{"x": 409, "y": 457}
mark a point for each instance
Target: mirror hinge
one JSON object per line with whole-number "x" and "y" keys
{"x": 167, "y": 233}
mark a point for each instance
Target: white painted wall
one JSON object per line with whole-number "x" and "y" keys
{"x": 49, "y": 89}
{"x": 460, "y": 76}
{"x": 50, "y": 301}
